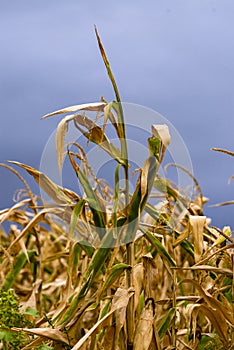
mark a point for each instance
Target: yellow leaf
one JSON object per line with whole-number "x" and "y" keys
{"x": 197, "y": 224}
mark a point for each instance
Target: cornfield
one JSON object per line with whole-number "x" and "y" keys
{"x": 84, "y": 275}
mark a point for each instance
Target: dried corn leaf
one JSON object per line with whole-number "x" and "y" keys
{"x": 216, "y": 318}
{"x": 6, "y": 213}
{"x": 223, "y": 151}
{"x": 94, "y": 133}
{"x": 144, "y": 330}
{"x": 94, "y": 106}
{"x": 222, "y": 204}
{"x": 34, "y": 344}
{"x": 197, "y": 224}
{"x": 57, "y": 193}
{"x": 150, "y": 276}
{"x": 223, "y": 271}
{"x": 162, "y": 132}
{"x": 60, "y": 138}
{"x": 120, "y": 300}
{"x": 109, "y": 338}
{"x": 212, "y": 302}
{"x": 35, "y": 220}
{"x": 50, "y": 333}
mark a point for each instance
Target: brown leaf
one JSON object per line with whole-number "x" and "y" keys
{"x": 37, "y": 218}
{"x": 57, "y": 193}
{"x": 223, "y": 151}
{"x": 197, "y": 224}
{"x": 6, "y": 213}
{"x": 50, "y": 333}
{"x": 212, "y": 302}
{"x": 120, "y": 300}
{"x": 223, "y": 271}
{"x": 150, "y": 276}
{"x": 94, "y": 106}
{"x": 216, "y": 318}
{"x": 144, "y": 330}
{"x": 60, "y": 138}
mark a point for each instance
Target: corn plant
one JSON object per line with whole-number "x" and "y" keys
{"x": 124, "y": 277}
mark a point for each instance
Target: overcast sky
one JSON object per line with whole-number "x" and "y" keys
{"x": 174, "y": 56}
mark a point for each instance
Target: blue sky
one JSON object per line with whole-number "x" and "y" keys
{"x": 174, "y": 56}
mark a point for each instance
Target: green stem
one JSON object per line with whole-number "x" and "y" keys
{"x": 124, "y": 154}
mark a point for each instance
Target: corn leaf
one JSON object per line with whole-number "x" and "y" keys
{"x": 115, "y": 273}
{"x": 20, "y": 262}
{"x": 120, "y": 300}
{"x": 197, "y": 224}
{"x": 140, "y": 196}
{"x": 107, "y": 64}
{"x": 94, "y": 106}
{"x": 158, "y": 245}
{"x": 98, "y": 216}
{"x": 166, "y": 322}
{"x": 75, "y": 216}
{"x": 50, "y": 333}
{"x": 57, "y": 193}
{"x": 94, "y": 268}
{"x": 144, "y": 329}
{"x": 212, "y": 302}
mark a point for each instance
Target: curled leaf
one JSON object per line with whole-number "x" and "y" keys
{"x": 197, "y": 224}
{"x": 57, "y": 193}
{"x": 94, "y": 106}
{"x": 162, "y": 132}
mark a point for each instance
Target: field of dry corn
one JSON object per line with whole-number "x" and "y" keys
{"x": 74, "y": 275}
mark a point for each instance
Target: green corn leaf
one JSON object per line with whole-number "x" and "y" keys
{"x": 158, "y": 245}
{"x": 116, "y": 196}
{"x": 140, "y": 196}
{"x": 154, "y": 145}
{"x": 21, "y": 261}
{"x": 118, "y": 105}
{"x": 95, "y": 206}
{"x": 94, "y": 268}
{"x": 75, "y": 216}
{"x": 108, "y": 114}
{"x": 89, "y": 250}
{"x": 32, "y": 312}
{"x": 166, "y": 321}
{"x": 107, "y": 64}
{"x": 115, "y": 272}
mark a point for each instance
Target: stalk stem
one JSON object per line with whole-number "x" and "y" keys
{"x": 130, "y": 308}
